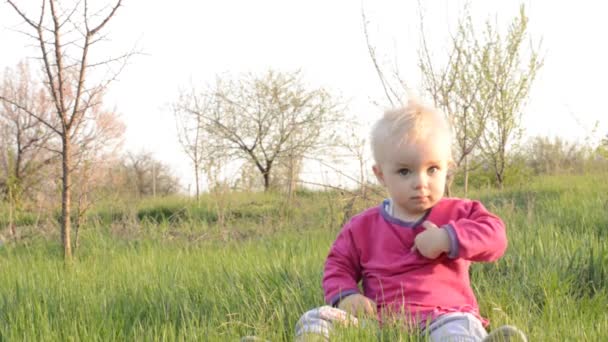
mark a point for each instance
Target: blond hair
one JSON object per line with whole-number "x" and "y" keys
{"x": 400, "y": 125}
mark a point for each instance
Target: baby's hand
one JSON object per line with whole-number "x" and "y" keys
{"x": 432, "y": 241}
{"x": 358, "y": 305}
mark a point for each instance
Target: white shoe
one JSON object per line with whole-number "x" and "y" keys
{"x": 506, "y": 333}
{"x": 252, "y": 338}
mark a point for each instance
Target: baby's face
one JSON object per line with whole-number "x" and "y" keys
{"x": 414, "y": 173}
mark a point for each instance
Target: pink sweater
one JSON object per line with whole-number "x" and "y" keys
{"x": 375, "y": 248}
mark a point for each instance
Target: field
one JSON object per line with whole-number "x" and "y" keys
{"x": 251, "y": 264}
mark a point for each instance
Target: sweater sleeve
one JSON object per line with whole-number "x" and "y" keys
{"x": 342, "y": 268}
{"x": 480, "y": 234}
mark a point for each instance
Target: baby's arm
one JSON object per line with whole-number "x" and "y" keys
{"x": 341, "y": 276}
{"x": 480, "y": 234}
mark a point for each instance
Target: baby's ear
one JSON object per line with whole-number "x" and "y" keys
{"x": 378, "y": 172}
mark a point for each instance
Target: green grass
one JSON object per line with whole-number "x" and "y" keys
{"x": 175, "y": 277}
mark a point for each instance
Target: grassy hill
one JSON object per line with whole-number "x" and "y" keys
{"x": 251, "y": 264}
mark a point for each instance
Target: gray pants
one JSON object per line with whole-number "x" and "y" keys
{"x": 317, "y": 324}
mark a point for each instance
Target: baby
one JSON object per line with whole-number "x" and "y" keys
{"x": 412, "y": 253}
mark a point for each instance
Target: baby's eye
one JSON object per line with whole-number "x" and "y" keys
{"x": 432, "y": 170}
{"x": 404, "y": 172}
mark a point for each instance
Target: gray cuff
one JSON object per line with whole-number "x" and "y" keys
{"x": 337, "y": 298}
{"x": 454, "y": 245}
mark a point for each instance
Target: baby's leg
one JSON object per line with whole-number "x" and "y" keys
{"x": 317, "y": 324}
{"x": 456, "y": 327}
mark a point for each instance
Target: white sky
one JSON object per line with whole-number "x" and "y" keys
{"x": 186, "y": 41}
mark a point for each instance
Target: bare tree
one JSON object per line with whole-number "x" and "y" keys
{"x": 460, "y": 88}
{"x": 467, "y": 86}
{"x": 457, "y": 87}
{"x": 25, "y": 142}
{"x": 263, "y": 119}
{"x": 148, "y": 176}
{"x": 190, "y": 132}
{"x": 352, "y": 144}
{"x": 65, "y": 37}
{"x": 393, "y": 85}
{"x": 512, "y": 81}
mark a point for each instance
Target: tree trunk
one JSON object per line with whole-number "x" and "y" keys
{"x": 196, "y": 180}
{"x": 500, "y": 180}
{"x": 466, "y": 176}
{"x": 65, "y": 198}
{"x": 266, "y": 175}
{"x": 76, "y": 234}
